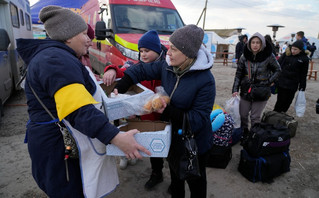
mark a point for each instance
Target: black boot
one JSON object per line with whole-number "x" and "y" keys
{"x": 244, "y": 137}
{"x": 155, "y": 179}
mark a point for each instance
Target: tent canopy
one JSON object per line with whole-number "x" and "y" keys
{"x": 217, "y": 39}
{"x": 287, "y": 38}
{"x": 72, "y": 4}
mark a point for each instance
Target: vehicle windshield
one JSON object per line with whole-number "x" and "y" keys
{"x": 140, "y": 19}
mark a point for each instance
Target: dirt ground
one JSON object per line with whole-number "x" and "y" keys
{"x": 302, "y": 180}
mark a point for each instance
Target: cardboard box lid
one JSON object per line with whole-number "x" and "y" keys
{"x": 144, "y": 126}
{"x": 108, "y": 89}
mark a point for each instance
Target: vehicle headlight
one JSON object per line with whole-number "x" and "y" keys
{"x": 127, "y": 52}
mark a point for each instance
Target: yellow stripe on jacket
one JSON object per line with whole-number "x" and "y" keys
{"x": 70, "y": 98}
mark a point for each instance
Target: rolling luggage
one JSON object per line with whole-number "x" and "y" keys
{"x": 275, "y": 118}
{"x": 263, "y": 169}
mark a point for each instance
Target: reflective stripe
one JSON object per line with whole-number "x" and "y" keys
{"x": 126, "y": 44}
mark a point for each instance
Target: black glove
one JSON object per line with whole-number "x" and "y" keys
{"x": 124, "y": 84}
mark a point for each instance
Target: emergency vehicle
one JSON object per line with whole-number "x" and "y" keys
{"x": 119, "y": 24}
{"x": 15, "y": 22}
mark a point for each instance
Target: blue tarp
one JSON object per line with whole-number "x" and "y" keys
{"x": 35, "y": 9}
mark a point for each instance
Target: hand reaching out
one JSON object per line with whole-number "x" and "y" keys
{"x": 109, "y": 77}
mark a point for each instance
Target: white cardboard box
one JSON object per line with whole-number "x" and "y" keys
{"x": 154, "y": 136}
{"x": 118, "y": 107}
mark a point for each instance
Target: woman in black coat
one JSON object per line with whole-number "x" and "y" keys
{"x": 258, "y": 66}
{"x": 294, "y": 65}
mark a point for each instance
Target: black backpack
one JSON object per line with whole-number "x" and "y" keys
{"x": 310, "y": 47}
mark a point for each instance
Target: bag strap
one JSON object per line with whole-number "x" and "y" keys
{"x": 45, "y": 108}
{"x": 249, "y": 70}
{"x": 186, "y": 128}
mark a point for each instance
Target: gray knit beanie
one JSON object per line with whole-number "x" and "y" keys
{"x": 188, "y": 40}
{"x": 61, "y": 23}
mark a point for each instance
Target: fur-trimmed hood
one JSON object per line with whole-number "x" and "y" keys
{"x": 260, "y": 56}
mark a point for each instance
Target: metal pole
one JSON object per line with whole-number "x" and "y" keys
{"x": 200, "y": 16}
{"x": 205, "y": 15}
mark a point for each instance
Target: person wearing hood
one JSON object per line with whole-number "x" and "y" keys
{"x": 186, "y": 77}
{"x": 150, "y": 50}
{"x": 294, "y": 68}
{"x": 258, "y": 68}
{"x": 240, "y": 46}
{"x": 70, "y": 93}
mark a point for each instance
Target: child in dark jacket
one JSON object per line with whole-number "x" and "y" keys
{"x": 294, "y": 68}
{"x": 150, "y": 50}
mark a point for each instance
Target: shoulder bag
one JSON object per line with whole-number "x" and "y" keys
{"x": 71, "y": 148}
{"x": 183, "y": 154}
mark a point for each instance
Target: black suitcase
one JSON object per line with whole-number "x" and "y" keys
{"x": 263, "y": 168}
{"x": 275, "y": 118}
{"x": 219, "y": 156}
{"x": 266, "y": 139}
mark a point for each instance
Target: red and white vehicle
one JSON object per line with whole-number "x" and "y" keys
{"x": 119, "y": 24}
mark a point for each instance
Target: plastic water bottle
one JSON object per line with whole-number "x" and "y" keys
{"x": 180, "y": 132}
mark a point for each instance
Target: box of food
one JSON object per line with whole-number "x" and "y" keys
{"x": 154, "y": 136}
{"x": 125, "y": 105}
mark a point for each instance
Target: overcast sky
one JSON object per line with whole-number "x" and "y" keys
{"x": 253, "y": 15}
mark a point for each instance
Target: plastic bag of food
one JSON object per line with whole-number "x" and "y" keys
{"x": 155, "y": 103}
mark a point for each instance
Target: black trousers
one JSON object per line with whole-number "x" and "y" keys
{"x": 284, "y": 99}
{"x": 197, "y": 187}
{"x": 157, "y": 164}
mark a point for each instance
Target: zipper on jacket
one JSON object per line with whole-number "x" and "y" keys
{"x": 177, "y": 82}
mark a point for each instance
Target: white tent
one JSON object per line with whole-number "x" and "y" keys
{"x": 212, "y": 40}
{"x": 287, "y": 38}
{"x": 217, "y": 39}
{"x": 232, "y": 41}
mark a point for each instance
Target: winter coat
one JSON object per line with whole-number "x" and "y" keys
{"x": 294, "y": 71}
{"x": 52, "y": 65}
{"x": 239, "y": 49}
{"x": 192, "y": 92}
{"x": 150, "y": 84}
{"x": 264, "y": 70}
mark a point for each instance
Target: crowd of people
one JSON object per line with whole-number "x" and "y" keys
{"x": 62, "y": 83}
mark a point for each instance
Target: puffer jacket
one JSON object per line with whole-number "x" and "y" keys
{"x": 265, "y": 69}
{"x": 294, "y": 71}
{"x": 193, "y": 93}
